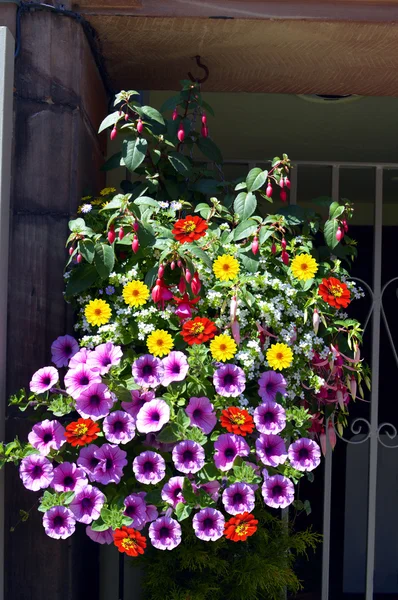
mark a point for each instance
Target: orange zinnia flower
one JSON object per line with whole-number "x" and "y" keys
{"x": 198, "y": 331}
{"x": 335, "y": 292}
{"x": 81, "y": 432}
{"x": 129, "y": 540}
{"x": 237, "y": 420}
{"x": 240, "y": 527}
{"x": 189, "y": 229}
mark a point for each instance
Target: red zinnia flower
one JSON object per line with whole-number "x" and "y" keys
{"x": 189, "y": 229}
{"x": 198, "y": 331}
{"x": 237, "y": 420}
{"x": 240, "y": 527}
{"x": 129, "y": 540}
{"x": 81, "y": 432}
{"x": 335, "y": 292}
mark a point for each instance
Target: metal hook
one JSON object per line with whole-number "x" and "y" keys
{"x": 202, "y": 66}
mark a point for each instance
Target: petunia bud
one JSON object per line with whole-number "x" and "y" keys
{"x": 140, "y": 126}
{"x": 353, "y": 387}
{"x": 135, "y": 245}
{"x": 188, "y": 276}
{"x": 233, "y": 307}
{"x": 268, "y": 191}
{"x": 111, "y": 234}
{"x": 181, "y": 133}
{"x": 172, "y": 265}
{"x": 287, "y": 183}
{"x": 204, "y": 119}
{"x": 175, "y": 114}
{"x": 204, "y": 131}
{"x": 182, "y": 286}
{"x": 71, "y": 250}
{"x": 315, "y": 320}
{"x": 255, "y": 245}
{"x": 236, "y": 331}
{"x": 196, "y": 284}
{"x": 283, "y": 244}
{"x": 160, "y": 271}
{"x": 113, "y": 133}
{"x": 273, "y": 248}
{"x": 339, "y": 234}
{"x": 283, "y": 195}
{"x": 285, "y": 257}
{"x": 79, "y": 258}
{"x": 121, "y": 233}
{"x": 136, "y": 226}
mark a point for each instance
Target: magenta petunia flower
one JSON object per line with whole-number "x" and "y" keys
{"x": 36, "y": 472}
{"x": 175, "y": 368}
{"x": 201, "y": 413}
{"x": 79, "y": 379}
{"x": 95, "y": 402}
{"x": 152, "y": 416}
{"x": 165, "y": 533}
{"x": 229, "y": 381}
{"x": 136, "y": 510}
{"x": 188, "y": 456}
{"x": 238, "y": 498}
{"x": 46, "y": 436}
{"x": 87, "y": 504}
{"x": 63, "y": 349}
{"x": 270, "y": 417}
{"x": 208, "y": 524}
{"x": 270, "y": 384}
{"x": 149, "y": 467}
{"x": 228, "y": 446}
{"x": 172, "y": 491}
{"x": 278, "y": 491}
{"x": 119, "y": 427}
{"x": 104, "y": 357}
{"x": 138, "y": 400}
{"x": 101, "y": 537}
{"x": 148, "y": 371}
{"x": 43, "y": 380}
{"x": 68, "y": 478}
{"x": 59, "y": 522}
{"x": 80, "y": 358}
{"x": 271, "y": 450}
{"x": 111, "y": 460}
{"x": 304, "y": 454}
{"x": 88, "y": 460}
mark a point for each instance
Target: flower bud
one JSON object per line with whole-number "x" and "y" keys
{"x": 322, "y": 441}
{"x": 236, "y": 331}
{"x": 71, "y": 250}
{"x": 282, "y": 183}
{"x": 111, "y": 234}
{"x": 283, "y": 243}
{"x": 113, "y": 133}
{"x": 345, "y": 225}
{"x": 175, "y": 114}
{"x": 315, "y": 320}
{"x": 157, "y": 291}
{"x": 79, "y": 258}
{"x": 135, "y": 245}
{"x": 182, "y": 286}
{"x": 204, "y": 131}
{"x": 273, "y": 248}
{"x": 172, "y": 265}
{"x": 283, "y": 195}
{"x": 339, "y": 234}
{"x": 188, "y": 276}
{"x": 268, "y": 191}
{"x": 179, "y": 263}
{"x": 255, "y": 245}
{"x": 121, "y": 233}
{"x": 357, "y": 355}
{"x": 204, "y": 119}
{"x": 160, "y": 271}
{"x": 196, "y": 284}
{"x": 136, "y": 226}
{"x": 181, "y": 133}
{"x": 233, "y": 307}
{"x": 285, "y": 257}
{"x": 140, "y": 125}
{"x": 353, "y": 387}
{"x": 126, "y": 117}
{"x": 331, "y": 434}
{"x": 287, "y": 183}
{"x": 340, "y": 399}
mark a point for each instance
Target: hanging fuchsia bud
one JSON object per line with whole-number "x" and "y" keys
{"x": 135, "y": 245}
{"x": 126, "y": 117}
{"x": 339, "y": 234}
{"x": 322, "y": 441}
{"x": 196, "y": 284}
{"x": 285, "y": 257}
{"x": 331, "y": 434}
{"x": 204, "y": 119}
{"x": 287, "y": 183}
{"x": 182, "y": 286}
{"x": 345, "y": 225}
{"x": 315, "y": 320}
{"x": 157, "y": 291}
{"x": 111, "y": 234}
{"x": 233, "y": 307}
{"x": 273, "y": 248}
{"x": 160, "y": 271}
{"x": 283, "y": 195}
{"x": 188, "y": 276}
{"x": 236, "y": 331}
{"x": 181, "y": 133}
{"x": 204, "y": 131}
{"x": 136, "y": 226}
{"x": 340, "y": 399}
{"x": 353, "y": 387}
{"x": 175, "y": 114}
{"x": 283, "y": 243}
{"x": 140, "y": 125}
{"x": 71, "y": 250}
{"x": 79, "y": 258}
{"x": 179, "y": 263}
{"x": 255, "y": 245}
{"x": 357, "y": 355}
{"x": 172, "y": 265}
{"x": 113, "y": 133}
{"x": 121, "y": 233}
{"x": 268, "y": 191}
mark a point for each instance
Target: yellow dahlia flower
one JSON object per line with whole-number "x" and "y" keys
{"x": 135, "y": 293}
{"x": 159, "y": 342}
{"x": 226, "y": 267}
{"x": 97, "y": 312}
{"x": 222, "y": 347}
{"x": 304, "y": 267}
{"x": 279, "y": 356}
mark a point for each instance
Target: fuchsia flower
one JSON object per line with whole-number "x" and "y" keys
{"x": 209, "y": 524}
{"x": 172, "y": 491}
{"x": 278, "y": 491}
{"x": 68, "y": 478}
{"x": 59, "y": 522}
{"x": 119, "y": 427}
{"x": 238, "y": 498}
{"x": 228, "y": 446}
{"x": 43, "y": 380}
{"x": 36, "y": 472}
{"x": 111, "y": 461}
{"x": 269, "y": 417}
{"x": 87, "y": 504}
{"x": 304, "y": 454}
{"x": 270, "y": 384}
{"x": 175, "y": 368}
{"x": 79, "y": 379}
{"x": 188, "y": 456}
{"x": 271, "y": 450}
{"x": 63, "y": 349}
{"x": 165, "y": 533}
{"x": 148, "y": 371}
{"x": 138, "y": 400}
{"x": 152, "y": 416}
{"x": 46, "y": 436}
{"x": 95, "y": 402}
{"x": 101, "y": 537}
{"x": 149, "y": 467}
{"x": 201, "y": 413}
{"x": 104, "y": 357}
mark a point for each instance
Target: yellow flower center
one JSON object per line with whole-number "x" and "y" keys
{"x": 336, "y": 291}
{"x": 242, "y": 529}
{"x": 238, "y": 419}
{"x": 81, "y": 429}
{"x": 128, "y": 543}
{"x": 189, "y": 226}
{"x": 197, "y": 328}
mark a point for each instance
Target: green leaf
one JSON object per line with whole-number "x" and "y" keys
{"x": 264, "y": 234}
{"x": 335, "y": 210}
{"x": 209, "y": 149}
{"x": 294, "y": 215}
{"x": 170, "y": 103}
{"x": 207, "y": 107}
{"x": 113, "y": 162}
{"x": 116, "y": 202}
{"x": 256, "y": 179}
{"x": 99, "y": 525}
{"x": 79, "y": 226}
{"x": 199, "y": 253}
{"x": 180, "y": 163}
{"x": 240, "y": 186}
{"x": 109, "y": 121}
{"x": 146, "y": 201}
{"x": 245, "y": 229}
{"x": 81, "y": 278}
{"x": 182, "y": 511}
{"x": 133, "y": 152}
{"x": 249, "y": 262}
{"x": 169, "y": 434}
{"x": 239, "y": 203}
{"x": 249, "y": 206}
{"x": 329, "y": 231}
{"x": 182, "y": 419}
{"x": 104, "y": 260}
{"x": 152, "y": 113}
{"x": 86, "y": 249}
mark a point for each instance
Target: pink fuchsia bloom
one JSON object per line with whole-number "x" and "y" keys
{"x": 209, "y": 524}
{"x": 212, "y": 488}
{"x": 119, "y": 427}
{"x": 201, "y": 414}
{"x": 78, "y": 380}
{"x": 172, "y": 491}
{"x": 304, "y": 455}
{"x": 136, "y": 510}
{"x": 47, "y": 436}
{"x": 270, "y": 417}
{"x": 278, "y": 491}
{"x": 148, "y": 371}
{"x": 165, "y": 533}
{"x": 161, "y": 293}
{"x": 43, "y": 380}
{"x": 229, "y": 381}
{"x": 271, "y": 384}
{"x": 87, "y": 504}
{"x": 228, "y": 446}
{"x": 88, "y": 460}
{"x": 175, "y": 368}
{"x": 271, "y": 450}
{"x": 68, "y": 478}
{"x": 80, "y": 358}
{"x": 152, "y": 416}
{"x": 101, "y": 537}
{"x": 188, "y": 456}
{"x": 36, "y": 472}
{"x": 138, "y": 400}
{"x": 238, "y": 498}
{"x": 104, "y": 357}
{"x": 59, "y": 522}
{"x": 111, "y": 461}
{"x": 149, "y": 467}
{"x": 95, "y": 402}
{"x": 63, "y": 349}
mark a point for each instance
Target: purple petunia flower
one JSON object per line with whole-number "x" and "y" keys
{"x": 304, "y": 454}
{"x": 270, "y": 417}
{"x": 148, "y": 371}
{"x": 87, "y": 504}
{"x": 63, "y": 349}
{"x": 59, "y": 522}
{"x": 278, "y": 491}
{"x": 175, "y": 368}
{"x": 138, "y": 400}
{"x": 212, "y": 488}
{"x": 238, "y": 498}
{"x": 201, "y": 413}
{"x": 209, "y": 524}
{"x": 229, "y": 381}
{"x": 119, "y": 427}
{"x": 46, "y": 436}
{"x": 172, "y": 491}
{"x": 101, "y": 537}
{"x": 165, "y": 533}
{"x": 36, "y": 472}
{"x": 68, "y": 478}
{"x": 271, "y": 450}
{"x": 95, "y": 402}
{"x": 188, "y": 456}
{"x": 151, "y": 510}
{"x": 270, "y": 384}
{"x": 149, "y": 467}
{"x": 80, "y": 358}
{"x": 136, "y": 510}
{"x": 88, "y": 460}
{"x": 104, "y": 357}
{"x": 79, "y": 379}
{"x": 43, "y": 380}
{"x": 228, "y": 446}
{"x": 111, "y": 460}
{"x": 152, "y": 416}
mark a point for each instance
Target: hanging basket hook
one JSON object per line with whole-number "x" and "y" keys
{"x": 202, "y": 66}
